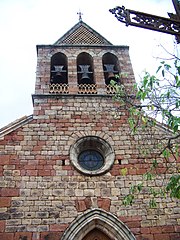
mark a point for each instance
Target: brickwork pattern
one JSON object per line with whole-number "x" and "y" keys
{"x": 41, "y": 193}
{"x": 44, "y": 65}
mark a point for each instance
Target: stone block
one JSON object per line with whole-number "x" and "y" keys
{"x": 6, "y": 236}
{"x": 104, "y": 203}
{"x": 147, "y": 237}
{"x": 5, "y": 201}
{"x": 23, "y": 236}
{"x": 163, "y": 236}
{"x": 79, "y": 192}
{"x": 43, "y": 228}
{"x": 89, "y": 192}
{"x": 80, "y": 205}
{"x": 58, "y": 227}
{"x": 4, "y": 216}
{"x": 9, "y": 192}
{"x": 2, "y": 225}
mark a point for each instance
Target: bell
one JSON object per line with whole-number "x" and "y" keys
{"x": 109, "y": 69}
{"x": 59, "y": 69}
{"x": 58, "y": 75}
{"x": 111, "y": 76}
{"x": 85, "y": 79}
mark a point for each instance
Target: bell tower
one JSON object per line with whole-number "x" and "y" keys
{"x": 73, "y": 106}
{"x": 81, "y": 62}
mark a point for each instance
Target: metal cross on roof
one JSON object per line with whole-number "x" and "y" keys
{"x": 80, "y": 15}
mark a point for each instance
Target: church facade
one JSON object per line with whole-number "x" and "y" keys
{"x": 64, "y": 171}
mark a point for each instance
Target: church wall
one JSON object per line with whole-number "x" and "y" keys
{"x": 44, "y": 194}
{"x": 41, "y": 191}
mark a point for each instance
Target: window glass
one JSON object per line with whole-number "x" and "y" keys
{"x": 91, "y": 160}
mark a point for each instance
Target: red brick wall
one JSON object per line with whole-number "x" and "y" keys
{"x": 41, "y": 192}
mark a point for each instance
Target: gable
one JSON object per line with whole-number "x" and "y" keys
{"x": 83, "y": 34}
{"x": 15, "y": 125}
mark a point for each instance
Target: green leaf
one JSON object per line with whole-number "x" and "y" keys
{"x": 166, "y": 153}
{"x": 174, "y": 186}
{"x": 158, "y": 69}
{"x": 144, "y": 119}
{"x": 152, "y": 203}
{"x": 139, "y": 186}
{"x": 133, "y": 189}
{"x": 155, "y": 163}
{"x": 148, "y": 176}
{"x": 163, "y": 73}
{"x": 124, "y": 171}
{"x": 128, "y": 200}
{"x": 132, "y": 124}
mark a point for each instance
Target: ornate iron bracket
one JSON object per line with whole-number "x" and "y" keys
{"x": 148, "y": 21}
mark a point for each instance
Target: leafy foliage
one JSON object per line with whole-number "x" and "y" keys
{"x": 174, "y": 186}
{"x": 161, "y": 95}
{"x": 156, "y": 97}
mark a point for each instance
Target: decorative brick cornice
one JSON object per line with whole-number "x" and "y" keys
{"x": 68, "y": 96}
{"x": 92, "y": 46}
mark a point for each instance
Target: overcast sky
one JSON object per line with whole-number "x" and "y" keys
{"x": 27, "y": 23}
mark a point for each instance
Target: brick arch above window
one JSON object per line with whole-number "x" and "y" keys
{"x": 77, "y": 134}
{"x": 92, "y": 155}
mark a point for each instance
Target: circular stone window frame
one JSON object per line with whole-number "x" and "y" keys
{"x": 92, "y": 143}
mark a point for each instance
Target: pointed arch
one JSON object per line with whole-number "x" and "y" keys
{"x": 99, "y": 219}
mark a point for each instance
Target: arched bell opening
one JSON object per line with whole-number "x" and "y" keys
{"x": 99, "y": 222}
{"x": 59, "y": 69}
{"x": 110, "y": 67}
{"x": 85, "y": 69}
